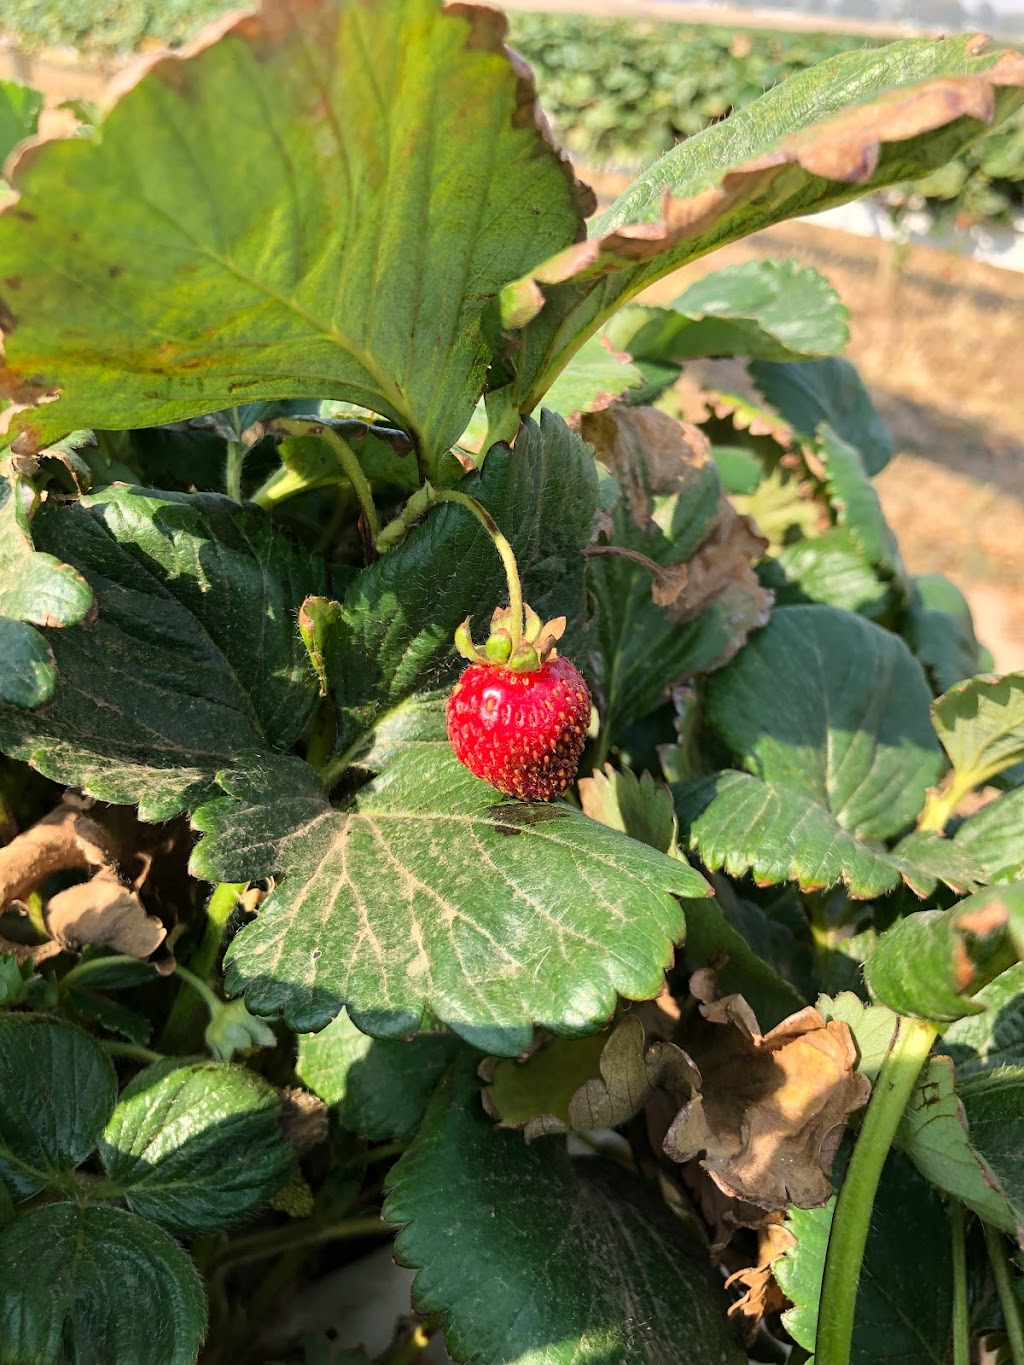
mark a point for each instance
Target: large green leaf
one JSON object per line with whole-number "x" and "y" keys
{"x": 194, "y": 655}
{"x": 940, "y": 630}
{"x": 57, "y": 1088}
{"x": 932, "y": 963}
{"x": 431, "y": 891}
{"x": 322, "y": 201}
{"x": 393, "y": 637}
{"x": 90, "y": 1286}
{"x": 904, "y": 1298}
{"x": 826, "y": 705}
{"x": 981, "y": 725}
{"x": 532, "y": 1257}
{"x": 994, "y": 837}
{"x": 934, "y": 1134}
{"x": 828, "y": 391}
{"x": 994, "y": 1038}
{"x": 20, "y": 107}
{"x": 852, "y": 124}
{"x": 831, "y": 569}
{"x": 197, "y": 1146}
{"x": 738, "y": 823}
{"x": 36, "y": 589}
{"x": 377, "y": 1087}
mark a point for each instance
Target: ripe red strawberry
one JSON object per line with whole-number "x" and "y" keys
{"x": 518, "y": 717}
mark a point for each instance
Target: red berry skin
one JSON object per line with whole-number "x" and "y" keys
{"x": 521, "y": 732}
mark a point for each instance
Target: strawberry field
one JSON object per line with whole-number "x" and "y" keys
{"x": 452, "y": 807}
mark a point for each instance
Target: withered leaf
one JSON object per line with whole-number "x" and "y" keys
{"x": 772, "y": 1108}
{"x": 762, "y": 1295}
{"x": 620, "y": 1082}
{"x": 106, "y": 914}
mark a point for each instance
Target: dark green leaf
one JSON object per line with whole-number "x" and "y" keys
{"x": 830, "y": 391}
{"x": 36, "y": 589}
{"x": 90, "y": 1286}
{"x": 378, "y": 1088}
{"x": 856, "y": 504}
{"x": 825, "y": 705}
{"x": 193, "y": 658}
{"x": 368, "y": 279}
{"x": 940, "y": 630}
{"x": 994, "y": 1106}
{"x": 932, "y": 963}
{"x": 741, "y": 824}
{"x": 904, "y": 1300}
{"x": 197, "y": 1146}
{"x": 394, "y": 637}
{"x": 619, "y": 1280}
{"x": 20, "y": 107}
{"x": 57, "y": 1088}
{"x": 431, "y": 891}
{"x": 995, "y": 1038}
{"x": 994, "y": 837}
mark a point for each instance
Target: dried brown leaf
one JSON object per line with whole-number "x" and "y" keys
{"x": 303, "y": 1119}
{"x": 105, "y": 913}
{"x": 772, "y": 1108}
{"x": 762, "y": 1295}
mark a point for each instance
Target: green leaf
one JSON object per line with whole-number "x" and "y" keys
{"x": 197, "y": 1146}
{"x": 994, "y": 1107}
{"x": 20, "y": 107}
{"x": 394, "y": 636}
{"x": 904, "y": 1299}
{"x": 594, "y": 378}
{"x": 931, "y": 963}
{"x": 194, "y": 656}
{"x": 340, "y": 240}
{"x": 935, "y": 1135}
{"x": 377, "y": 1088}
{"x": 994, "y": 837}
{"x": 36, "y": 589}
{"x": 830, "y": 568}
{"x": 994, "y": 1038}
{"x": 738, "y": 823}
{"x": 851, "y": 125}
{"x": 620, "y": 1280}
{"x": 493, "y": 914}
{"x": 872, "y": 1026}
{"x": 769, "y": 310}
{"x": 386, "y": 457}
{"x": 940, "y": 630}
{"x": 57, "y": 1088}
{"x": 638, "y": 806}
{"x": 856, "y": 504}
{"x": 827, "y": 391}
{"x": 826, "y": 705}
{"x": 981, "y": 725}
{"x": 95, "y": 1285}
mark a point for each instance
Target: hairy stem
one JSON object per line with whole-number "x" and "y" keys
{"x": 237, "y": 451}
{"x": 258, "y": 1245}
{"x": 995, "y": 1243}
{"x": 82, "y": 970}
{"x": 277, "y": 489}
{"x": 145, "y": 1055}
{"x": 907, "y": 1054}
{"x": 185, "y": 1012}
{"x": 940, "y": 805}
{"x": 961, "y": 1311}
{"x": 504, "y": 549}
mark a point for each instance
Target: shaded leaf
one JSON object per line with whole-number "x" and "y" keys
{"x": 494, "y": 914}
{"x": 620, "y": 1278}
{"x": 994, "y": 837}
{"x": 96, "y": 1284}
{"x": 994, "y": 1106}
{"x": 856, "y": 504}
{"x": 932, "y": 963}
{"x": 772, "y": 1108}
{"x": 385, "y": 243}
{"x": 638, "y": 806}
{"x": 194, "y": 656}
{"x": 934, "y": 1134}
{"x": 57, "y": 1088}
{"x": 981, "y": 725}
{"x": 904, "y": 1298}
{"x": 740, "y": 824}
{"x": 827, "y": 705}
{"x": 994, "y": 1038}
{"x": 827, "y": 391}
{"x": 940, "y": 630}
{"x": 579, "y": 1086}
{"x": 36, "y": 589}
{"x": 596, "y": 376}
{"x": 378, "y": 1088}
{"x": 386, "y": 457}
{"x": 197, "y": 1146}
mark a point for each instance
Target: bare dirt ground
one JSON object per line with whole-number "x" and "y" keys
{"x": 940, "y": 342}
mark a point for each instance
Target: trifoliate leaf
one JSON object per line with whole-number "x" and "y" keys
{"x": 96, "y": 1284}
{"x": 197, "y": 1146}
{"x": 493, "y": 914}
{"x": 377, "y": 1087}
{"x": 57, "y": 1088}
{"x": 36, "y": 589}
{"x": 194, "y": 656}
{"x": 621, "y": 1280}
{"x": 932, "y": 963}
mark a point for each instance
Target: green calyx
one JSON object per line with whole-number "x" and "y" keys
{"x": 534, "y": 648}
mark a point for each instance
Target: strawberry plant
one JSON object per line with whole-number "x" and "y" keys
{"x": 681, "y": 1018}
